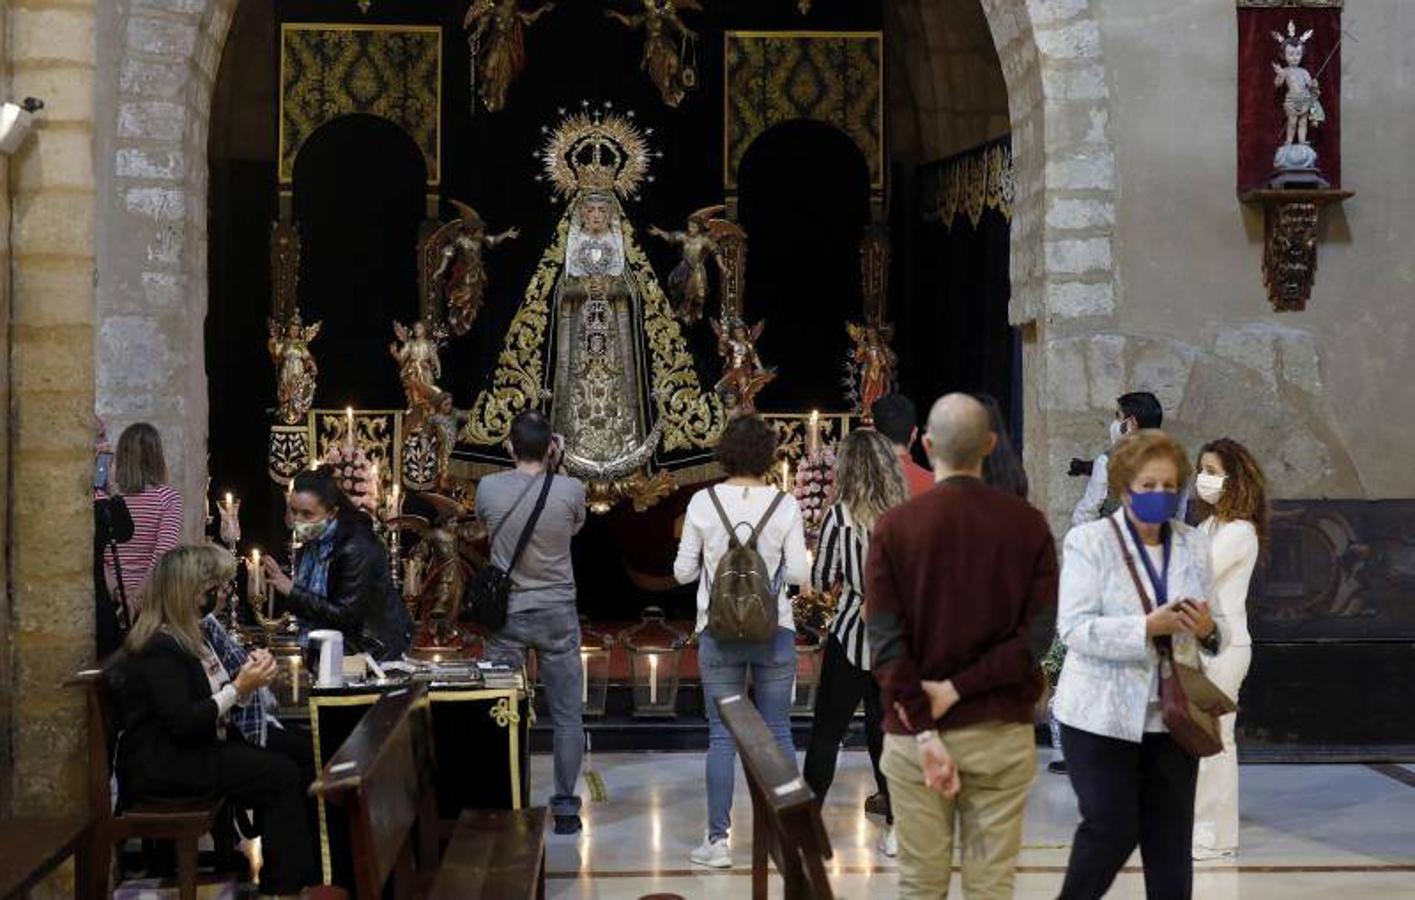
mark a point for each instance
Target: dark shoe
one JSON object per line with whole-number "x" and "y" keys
{"x": 877, "y": 805}
{"x": 1057, "y": 767}
{"x": 570, "y": 824}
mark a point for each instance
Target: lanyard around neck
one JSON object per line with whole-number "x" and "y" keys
{"x": 1160, "y": 580}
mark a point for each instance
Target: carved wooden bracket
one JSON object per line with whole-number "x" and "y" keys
{"x": 1290, "y": 242}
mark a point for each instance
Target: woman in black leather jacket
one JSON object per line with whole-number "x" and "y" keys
{"x": 341, "y": 577}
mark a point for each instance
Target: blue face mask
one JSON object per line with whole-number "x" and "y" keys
{"x": 1154, "y": 507}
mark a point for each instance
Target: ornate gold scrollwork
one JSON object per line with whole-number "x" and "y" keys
{"x": 504, "y": 714}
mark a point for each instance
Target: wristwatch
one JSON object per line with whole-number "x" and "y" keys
{"x": 924, "y": 737}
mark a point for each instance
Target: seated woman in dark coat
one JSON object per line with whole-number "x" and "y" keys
{"x": 177, "y": 739}
{"x": 341, "y": 573}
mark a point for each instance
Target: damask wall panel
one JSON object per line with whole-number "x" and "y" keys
{"x": 390, "y": 71}
{"x": 830, "y": 77}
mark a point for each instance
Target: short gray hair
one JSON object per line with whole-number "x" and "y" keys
{"x": 959, "y": 430}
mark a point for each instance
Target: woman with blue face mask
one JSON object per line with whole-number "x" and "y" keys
{"x": 1135, "y": 785}
{"x": 341, "y": 577}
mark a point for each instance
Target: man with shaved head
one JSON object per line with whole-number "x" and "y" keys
{"x": 961, "y": 602}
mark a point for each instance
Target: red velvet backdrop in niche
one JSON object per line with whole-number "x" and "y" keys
{"x": 1261, "y": 120}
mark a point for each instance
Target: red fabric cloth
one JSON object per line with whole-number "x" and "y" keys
{"x": 1262, "y": 123}
{"x": 919, "y": 479}
{"x": 953, "y": 584}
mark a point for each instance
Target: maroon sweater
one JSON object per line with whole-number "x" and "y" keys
{"x": 960, "y": 584}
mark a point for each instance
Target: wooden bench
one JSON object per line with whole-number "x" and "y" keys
{"x": 494, "y": 853}
{"x": 35, "y": 847}
{"x": 786, "y": 820}
{"x": 384, "y": 776}
{"x": 182, "y": 822}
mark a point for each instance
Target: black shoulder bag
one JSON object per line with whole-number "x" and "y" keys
{"x": 489, "y": 593}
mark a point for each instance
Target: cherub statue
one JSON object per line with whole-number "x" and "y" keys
{"x": 872, "y": 363}
{"x": 447, "y": 557}
{"x": 744, "y": 375}
{"x": 419, "y": 367}
{"x": 1302, "y": 103}
{"x": 461, "y": 276}
{"x": 663, "y": 32}
{"x": 498, "y": 41}
{"x": 297, "y": 373}
{"x": 688, "y": 283}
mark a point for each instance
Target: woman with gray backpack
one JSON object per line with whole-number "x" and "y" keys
{"x": 744, "y": 542}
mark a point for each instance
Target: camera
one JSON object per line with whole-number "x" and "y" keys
{"x": 16, "y": 119}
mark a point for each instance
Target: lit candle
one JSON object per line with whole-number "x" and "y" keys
{"x": 255, "y": 583}
{"x": 653, "y": 679}
{"x": 349, "y": 428}
{"x": 584, "y": 677}
{"x": 785, "y": 476}
{"x": 373, "y": 487}
{"x": 813, "y": 434}
{"x": 295, "y": 678}
{"x": 395, "y": 502}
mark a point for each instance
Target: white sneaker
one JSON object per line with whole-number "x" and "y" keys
{"x": 713, "y": 854}
{"x": 888, "y": 843}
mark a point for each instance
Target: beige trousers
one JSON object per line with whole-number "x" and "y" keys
{"x": 996, "y": 763}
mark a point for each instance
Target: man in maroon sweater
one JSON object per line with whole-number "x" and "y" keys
{"x": 960, "y": 602}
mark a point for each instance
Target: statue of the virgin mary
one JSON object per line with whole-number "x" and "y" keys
{"x": 595, "y": 342}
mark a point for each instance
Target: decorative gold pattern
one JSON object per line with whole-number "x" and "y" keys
{"x": 791, "y": 430}
{"x": 329, "y": 71}
{"x": 376, "y": 433}
{"x": 505, "y": 714}
{"x": 596, "y": 151}
{"x": 691, "y": 419}
{"x": 969, "y": 184}
{"x": 289, "y": 452}
{"x": 830, "y": 77}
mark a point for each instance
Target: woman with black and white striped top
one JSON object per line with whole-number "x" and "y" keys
{"x": 868, "y": 481}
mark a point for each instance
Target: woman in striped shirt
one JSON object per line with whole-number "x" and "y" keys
{"x": 140, "y": 477}
{"x": 868, "y": 481}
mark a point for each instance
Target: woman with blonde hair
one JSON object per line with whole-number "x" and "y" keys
{"x": 868, "y": 480}
{"x": 177, "y": 700}
{"x": 1233, "y": 500}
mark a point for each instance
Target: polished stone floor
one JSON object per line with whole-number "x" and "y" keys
{"x": 1344, "y": 831}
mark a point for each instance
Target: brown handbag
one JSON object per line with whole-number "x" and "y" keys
{"x": 1191, "y": 704}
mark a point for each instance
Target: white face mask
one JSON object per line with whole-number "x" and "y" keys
{"x": 1117, "y": 431}
{"x": 1209, "y": 487}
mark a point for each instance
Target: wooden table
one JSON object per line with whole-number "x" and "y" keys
{"x": 478, "y": 732}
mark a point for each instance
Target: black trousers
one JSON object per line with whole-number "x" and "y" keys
{"x": 1130, "y": 794}
{"x": 270, "y": 782}
{"x": 842, "y": 687}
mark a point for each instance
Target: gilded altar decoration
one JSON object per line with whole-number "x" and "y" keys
{"x": 834, "y": 78}
{"x": 743, "y": 375}
{"x": 419, "y": 368}
{"x": 445, "y": 557}
{"x": 871, "y": 365}
{"x": 288, "y": 453}
{"x": 688, "y": 283}
{"x": 390, "y": 71}
{"x": 496, "y": 36}
{"x": 296, "y": 371}
{"x": 348, "y": 432}
{"x": 458, "y": 284}
{"x": 963, "y": 187}
{"x": 669, "y": 45}
{"x": 731, "y": 243}
{"x": 504, "y": 714}
{"x": 620, "y": 384}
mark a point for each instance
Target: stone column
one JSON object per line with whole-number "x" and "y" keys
{"x": 51, "y": 56}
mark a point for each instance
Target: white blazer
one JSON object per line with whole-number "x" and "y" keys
{"x": 1112, "y": 670}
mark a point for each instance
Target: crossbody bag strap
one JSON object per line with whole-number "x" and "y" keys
{"x": 1161, "y": 646}
{"x": 530, "y": 524}
{"x": 766, "y": 517}
{"x": 514, "y": 506}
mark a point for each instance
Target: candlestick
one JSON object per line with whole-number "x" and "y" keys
{"x": 395, "y": 502}
{"x": 373, "y": 487}
{"x": 349, "y": 430}
{"x": 295, "y": 678}
{"x": 230, "y": 530}
{"x": 813, "y": 434}
{"x": 653, "y": 679}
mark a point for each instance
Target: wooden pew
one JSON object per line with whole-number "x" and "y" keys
{"x": 385, "y": 776}
{"x": 182, "y": 822}
{"x": 35, "y": 847}
{"x": 786, "y": 820}
{"x": 494, "y": 853}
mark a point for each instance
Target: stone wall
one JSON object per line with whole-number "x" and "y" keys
{"x": 154, "y": 102}
{"x": 51, "y": 46}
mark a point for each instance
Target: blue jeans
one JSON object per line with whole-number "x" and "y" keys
{"x": 555, "y": 634}
{"x": 724, "y": 668}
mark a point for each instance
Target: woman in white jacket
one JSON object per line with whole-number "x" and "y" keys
{"x": 1233, "y": 501}
{"x": 1134, "y": 784}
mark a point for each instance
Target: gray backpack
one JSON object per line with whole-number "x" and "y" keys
{"x": 742, "y": 600}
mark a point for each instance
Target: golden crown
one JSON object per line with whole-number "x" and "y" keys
{"x": 596, "y": 150}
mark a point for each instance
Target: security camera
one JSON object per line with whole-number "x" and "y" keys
{"x": 15, "y": 122}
